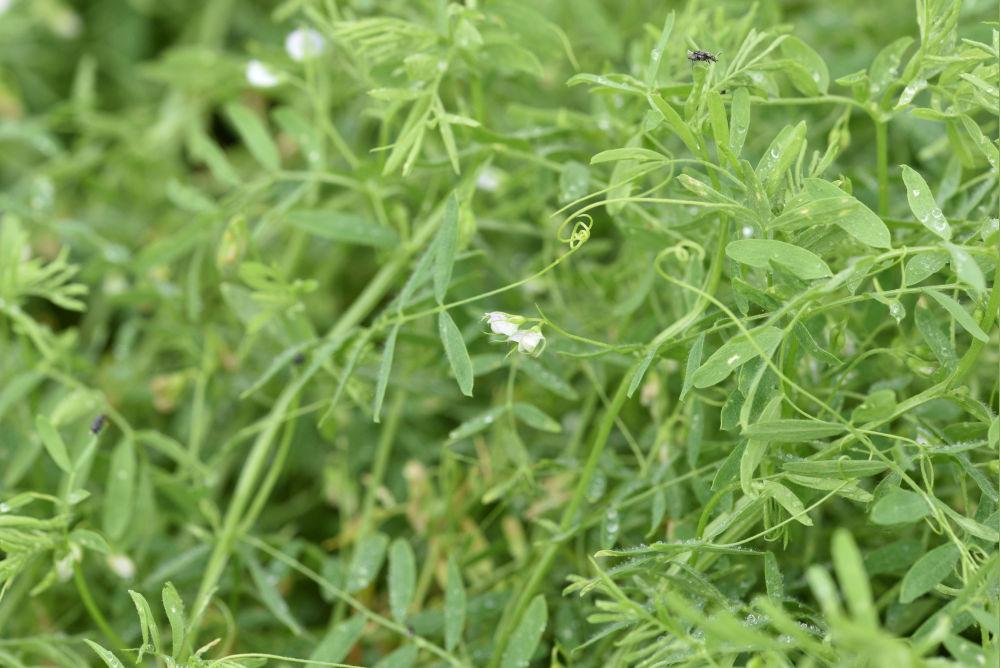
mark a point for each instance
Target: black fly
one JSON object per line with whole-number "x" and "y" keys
{"x": 98, "y": 424}
{"x": 701, "y": 56}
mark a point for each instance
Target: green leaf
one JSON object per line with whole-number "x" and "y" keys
{"x": 446, "y": 245}
{"x": 174, "y": 607}
{"x": 826, "y": 204}
{"x": 366, "y": 562}
{"x": 899, "y": 506}
{"x": 842, "y": 469}
{"x": 739, "y": 120}
{"x": 853, "y": 580}
{"x": 147, "y": 624}
{"x": 402, "y": 578}
{"x": 455, "y": 350}
{"x": 793, "y": 431}
{"x": 118, "y": 499}
{"x": 548, "y": 379}
{"x": 404, "y": 657}
{"x": 676, "y": 123}
{"x": 108, "y": 657}
{"x": 271, "y": 597}
{"x": 53, "y": 443}
{"x": 774, "y": 582}
{"x": 960, "y": 315}
{"x": 527, "y": 634}
{"x": 534, "y": 417}
{"x": 693, "y": 362}
{"x": 339, "y": 640}
{"x": 922, "y": 204}
{"x": 631, "y": 153}
{"x": 735, "y": 353}
{"x": 454, "y": 606}
{"x": 384, "y": 370}
{"x": 817, "y": 77}
{"x": 934, "y": 336}
{"x": 656, "y": 55}
{"x": 966, "y": 268}
{"x": 342, "y": 227}
{"x": 760, "y": 253}
{"x": 253, "y": 133}
{"x": 786, "y": 499}
{"x": 929, "y": 571}
{"x": 885, "y": 65}
{"x": 478, "y": 423}
{"x": 923, "y": 265}
{"x": 780, "y": 155}
{"x": 894, "y": 557}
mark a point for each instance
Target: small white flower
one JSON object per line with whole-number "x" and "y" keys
{"x": 260, "y": 75}
{"x": 503, "y": 327}
{"x": 528, "y": 341}
{"x": 747, "y": 231}
{"x": 488, "y": 180}
{"x": 501, "y": 323}
{"x": 121, "y": 566}
{"x": 304, "y": 43}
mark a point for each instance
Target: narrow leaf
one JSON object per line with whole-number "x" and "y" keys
{"x": 120, "y": 486}
{"x": 960, "y": 315}
{"x": 446, "y": 245}
{"x": 454, "y": 606}
{"x": 928, "y": 572}
{"x": 253, "y": 133}
{"x": 852, "y": 577}
{"x": 384, "y": 370}
{"x": 736, "y": 352}
{"x": 793, "y": 431}
{"x": 337, "y": 643}
{"x": 528, "y": 632}
{"x": 174, "y": 607}
{"x": 402, "y": 578}
{"x": 899, "y": 506}
{"x": 341, "y": 227}
{"x": 760, "y": 253}
{"x": 922, "y": 204}
{"x": 456, "y": 352}
{"x": 53, "y": 443}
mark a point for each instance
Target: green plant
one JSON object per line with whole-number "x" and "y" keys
{"x": 411, "y": 354}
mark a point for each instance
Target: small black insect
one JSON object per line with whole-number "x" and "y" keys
{"x": 701, "y": 56}
{"x": 298, "y": 359}
{"x": 98, "y": 424}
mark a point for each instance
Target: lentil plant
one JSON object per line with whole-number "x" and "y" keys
{"x": 499, "y": 333}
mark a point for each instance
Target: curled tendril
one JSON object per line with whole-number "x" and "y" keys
{"x": 580, "y": 232}
{"x": 681, "y": 251}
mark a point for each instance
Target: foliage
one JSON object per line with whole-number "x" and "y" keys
{"x": 733, "y": 400}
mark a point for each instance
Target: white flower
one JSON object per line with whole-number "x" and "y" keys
{"x": 502, "y": 323}
{"x": 304, "y": 43}
{"x": 121, "y": 566}
{"x": 528, "y": 341}
{"x": 747, "y": 231}
{"x": 503, "y": 327}
{"x": 488, "y": 180}
{"x": 260, "y": 75}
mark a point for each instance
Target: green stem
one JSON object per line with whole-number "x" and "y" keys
{"x": 544, "y": 563}
{"x": 382, "y": 452}
{"x": 882, "y": 165}
{"x": 257, "y": 460}
{"x": 117, "y": 644}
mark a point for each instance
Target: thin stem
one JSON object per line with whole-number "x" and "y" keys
{"x": 117, "y": 644}
{"x": 882, "y": 165}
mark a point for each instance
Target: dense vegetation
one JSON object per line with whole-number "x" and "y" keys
{"x": 499, "y": 333}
